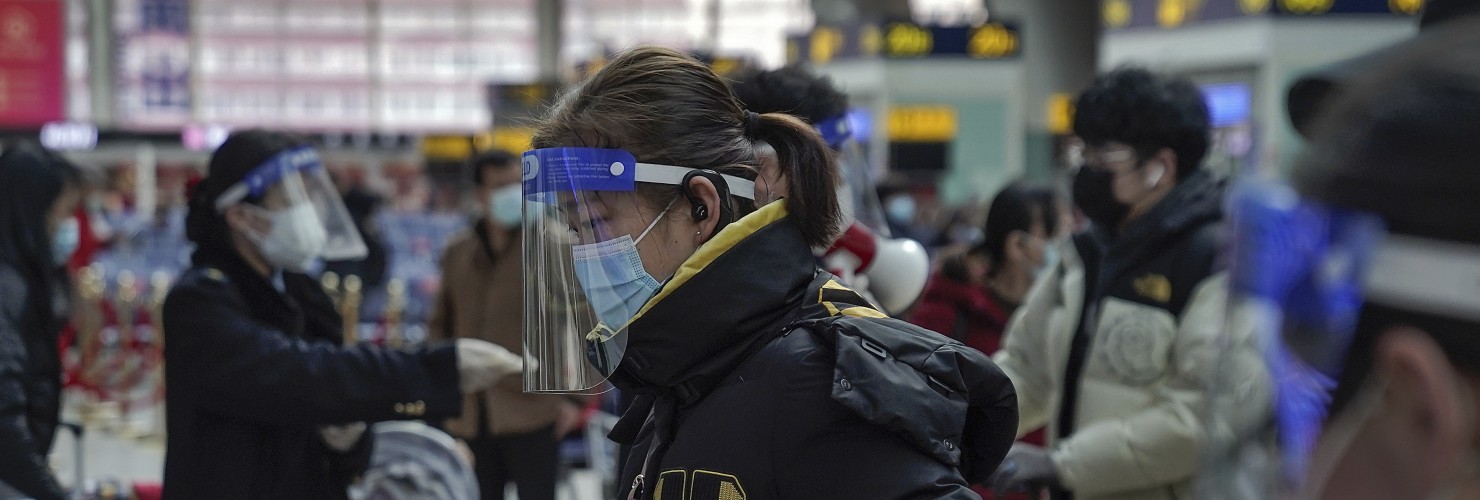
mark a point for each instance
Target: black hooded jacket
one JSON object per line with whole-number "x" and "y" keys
{"x": 30, "y": 385}
{"x": 761, "y": 377}
{"x": 253, "y": 373}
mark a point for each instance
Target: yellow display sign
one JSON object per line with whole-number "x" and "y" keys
{"x": 515, "y": 140}
{"x": 446, "y": 147}
{"x": 1253, "y": 6}
{"x": 992, "y": 41}
{"x": 826, "y": 42}
{"x": 1116, "y": 13}
{"x": 1060, "y": 113}
{"x": 1307, "y": 6}
{"x": 922, "y": 124}
{"x": 907, "y": 40}
{"x": 1409, "y": 7}
{"x": 1171, "y": 13}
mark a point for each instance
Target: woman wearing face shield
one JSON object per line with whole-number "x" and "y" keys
{"x": 38, "y": 192}
{"x": 264, "y": 402}
{"x": 649, "y": 265}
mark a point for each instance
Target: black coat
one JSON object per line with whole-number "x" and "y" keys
{"x": 751, "y": 386}
{"x": 252, "y": 373}
{"x": 30, "y": 386}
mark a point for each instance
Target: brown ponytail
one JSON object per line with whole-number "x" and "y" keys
{"x": 811, "y": 172}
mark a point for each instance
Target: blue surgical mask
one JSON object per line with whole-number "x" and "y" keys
{"x": 611, "y": 274}
{"x": 65, "y": 241}
{"x": 506, "y": 205}
{"x": 901, "y": 209}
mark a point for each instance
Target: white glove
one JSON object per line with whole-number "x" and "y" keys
{"x": 341, "y": 438}
{"x": 481, "y": 364}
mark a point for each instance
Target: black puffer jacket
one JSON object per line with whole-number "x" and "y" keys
{"x": 761, "y": 377}
{"x": 30, "y": 386}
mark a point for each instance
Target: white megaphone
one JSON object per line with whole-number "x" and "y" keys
{"x": 892, "y": 270}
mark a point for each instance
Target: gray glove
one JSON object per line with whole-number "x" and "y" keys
{"x": 1027, "y": 468}
{"x": 342, "y": 438}
{"x": 481, "y": 364}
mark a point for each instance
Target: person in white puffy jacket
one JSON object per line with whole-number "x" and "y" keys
{"x": 1112, "y": 350}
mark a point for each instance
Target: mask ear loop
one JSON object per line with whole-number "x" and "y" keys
{"x": 654, "y": 223}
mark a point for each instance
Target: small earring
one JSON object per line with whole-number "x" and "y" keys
{"x": 696, "y": 233}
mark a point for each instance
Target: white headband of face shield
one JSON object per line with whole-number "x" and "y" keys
{"x": 671, "y": 175}
{"x": 1427, "y": 276}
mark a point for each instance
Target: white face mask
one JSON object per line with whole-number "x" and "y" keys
{"x": 295, "y": 240}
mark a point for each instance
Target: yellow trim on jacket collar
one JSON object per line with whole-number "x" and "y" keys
{"x": 727, "y": 238}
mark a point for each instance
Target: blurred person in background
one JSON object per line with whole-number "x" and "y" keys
{"x": 901, "y": 211}
{"x": 1110, "y": 352}
{"x": 264, "y": 401}
{"x": 38, "y": 193}
{"x": 705, "y": 304}
{"x": 515, "y": 436}
{"x": 1364, "y": 275}
{"x": 973, "y": 294}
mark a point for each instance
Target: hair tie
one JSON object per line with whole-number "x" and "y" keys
{"x": 752, "y": 124}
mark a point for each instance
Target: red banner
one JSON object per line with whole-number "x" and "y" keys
{"x": 32, "y": 58}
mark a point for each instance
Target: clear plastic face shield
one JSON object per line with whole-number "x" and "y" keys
{"x": 1300, "y": 272}
{"x": 301, "y": 215}
{"x": 585, "y": 281}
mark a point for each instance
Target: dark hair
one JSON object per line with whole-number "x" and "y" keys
{"x": 31, "y": 180}
{"x": 493, "y": 158}
{"x": 1400, "y": 144}
{"x": 1147, "y": 111}
{"x": 665, "y": 107}
{"x": 793, "y": 90}
{"x": 1017, "y": 207}
{"x": 239, "y": 155}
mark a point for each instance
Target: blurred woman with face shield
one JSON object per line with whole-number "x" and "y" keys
{"x": 651, "y": 266}
{"x": 1360, "y": 282}
{"x": 264, "y": 401}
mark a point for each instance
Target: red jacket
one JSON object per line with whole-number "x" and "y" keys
{"x": 963, "y": 312}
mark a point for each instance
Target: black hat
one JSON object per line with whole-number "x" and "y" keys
{"x": 1312, "y": 93}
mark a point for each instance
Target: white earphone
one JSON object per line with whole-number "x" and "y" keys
{"x": 1161, "y": 169}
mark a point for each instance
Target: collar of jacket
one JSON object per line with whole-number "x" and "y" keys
{"x": 485, "y": 239}
{"x": 728, "y": 299}
{"x": 1195, "y": 202}
{"x": 302, "y": 307}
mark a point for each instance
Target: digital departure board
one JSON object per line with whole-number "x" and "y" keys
{"x": 901, "y": 40}
{"x": 1167, "y": 14}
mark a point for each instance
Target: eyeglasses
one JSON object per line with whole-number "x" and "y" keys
{"x": 1103, "y": 159}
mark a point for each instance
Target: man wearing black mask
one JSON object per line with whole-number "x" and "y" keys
{"x": 1111, "y": 352}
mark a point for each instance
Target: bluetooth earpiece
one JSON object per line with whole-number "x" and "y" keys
{"x": 700, "y": 210}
